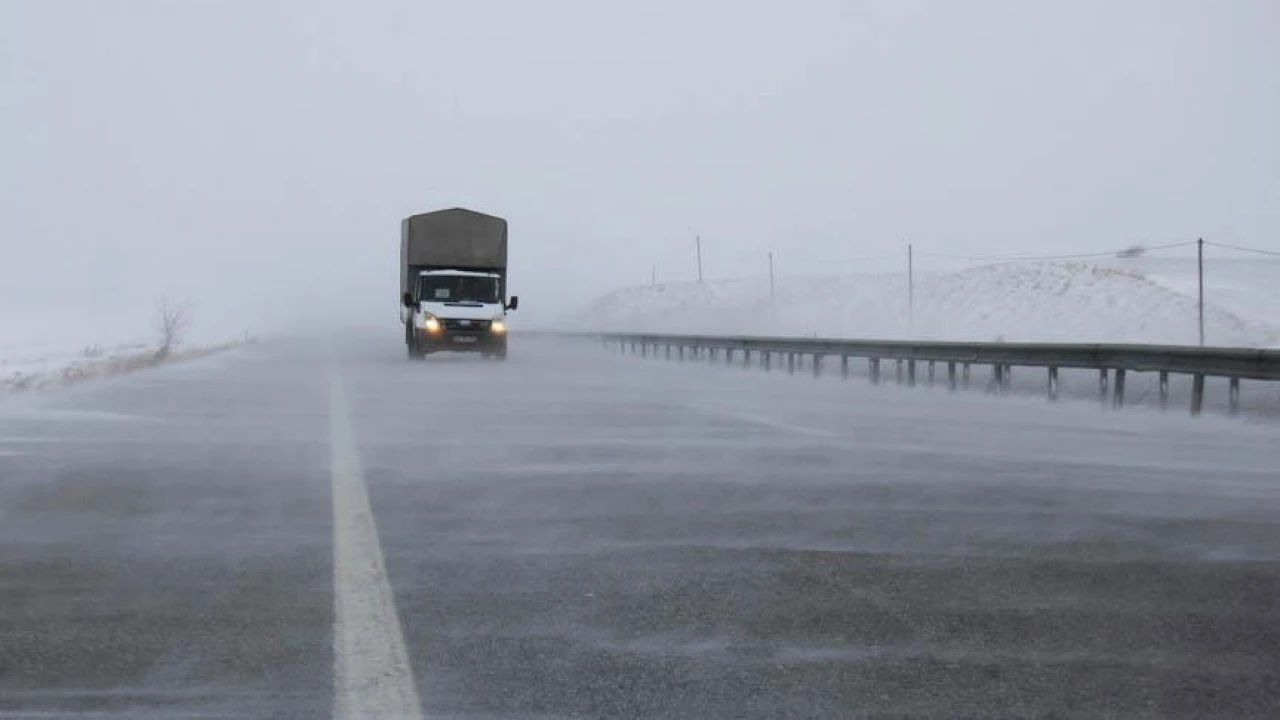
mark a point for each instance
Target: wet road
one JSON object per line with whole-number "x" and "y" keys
{"x": 301, "y": 530}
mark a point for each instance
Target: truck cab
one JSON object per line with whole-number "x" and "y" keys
{"x": 457, "y": 310}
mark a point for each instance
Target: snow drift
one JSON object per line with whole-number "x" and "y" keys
{"x": 45, "y": 348}
{"x": 1046, "y": 302}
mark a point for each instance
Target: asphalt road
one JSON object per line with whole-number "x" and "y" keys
{"x": 309, "y": 530}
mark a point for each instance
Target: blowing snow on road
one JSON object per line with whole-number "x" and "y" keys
{"x": 302, "y": 529}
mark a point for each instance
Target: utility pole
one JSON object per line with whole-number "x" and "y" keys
{"x": 773, "y": 290}
{"x": 698, "y": 240}
{"x": 911, "y": 291}
{"x": 653, "y": 280}
{"x": 1200, "y": 263}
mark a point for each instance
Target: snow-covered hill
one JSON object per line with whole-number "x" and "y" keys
{"x": 1064, "y": 302}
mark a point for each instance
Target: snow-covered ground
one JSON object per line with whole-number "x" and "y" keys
{"x": 1137, "y": 300}
{"x": 40, "y": 347}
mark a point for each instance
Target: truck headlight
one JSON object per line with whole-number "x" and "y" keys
{"x": 498, "y": 327}
{"x": 430, "y": 323}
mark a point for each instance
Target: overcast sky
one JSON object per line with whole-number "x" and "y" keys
{"x": 256, "y": 155}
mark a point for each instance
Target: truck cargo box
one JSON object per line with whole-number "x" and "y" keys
{"x": 457, "y": 239}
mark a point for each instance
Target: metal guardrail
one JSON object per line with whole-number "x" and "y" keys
{"x": 1198, "y": 362}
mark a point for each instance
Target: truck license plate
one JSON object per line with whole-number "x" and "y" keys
{"x": 464, "y": 339}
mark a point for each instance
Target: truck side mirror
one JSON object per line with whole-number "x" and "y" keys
{"x": 407, "y": 300}
{"x": 515, "y": 302}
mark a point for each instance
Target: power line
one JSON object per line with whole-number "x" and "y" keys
{"x": 1003, "y": 258}
{"x": 1170, "y": 246}
{"x": 1243, "y": 249}
{"x": 842, "y": 261}
{"x": 1070, "y": 256}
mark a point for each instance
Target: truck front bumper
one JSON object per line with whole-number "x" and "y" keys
{"x": 457, "y": 341}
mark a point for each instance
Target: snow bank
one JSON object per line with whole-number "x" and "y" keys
{"x": 1047, "y": 302}
{"x": 45, "y": 347}
{"x": 97, "y": 363}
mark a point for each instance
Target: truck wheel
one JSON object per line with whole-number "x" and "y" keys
{"x": 411, "y": 343}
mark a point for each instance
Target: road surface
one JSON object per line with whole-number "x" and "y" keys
{"x": 311, "y": 529}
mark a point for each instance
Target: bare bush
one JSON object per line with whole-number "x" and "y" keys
{"x": 173, "y": 318}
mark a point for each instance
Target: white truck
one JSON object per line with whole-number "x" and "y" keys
{"x": 453, "y": 283}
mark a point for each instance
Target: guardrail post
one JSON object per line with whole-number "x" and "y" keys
{"x": 768, "y": 360}
{"x": 791, "y": 363}
{"x": 1197, "y": 393}
{"x": 931, "y": 364}
{"x": 911, "y": 373}
{"x": 1118, "y": 400}
{"x": 844, "y": 367}
{"x": 728, "y": 356}
{"x": 817, "y": 365}
{"x": 746, "y": 357}
{"x": 1102, "y": 383}
{"x": 1164, "y": 389}
{"x": 897, "y": 370}
{"x": 996, "y": 374}
{"x": 668, "y": 351}
{"x": 1053, "y": 383}
{"x": 1234, "y": 396}
{"x": 873, "y": 369}
{"x": 951, "y": 375}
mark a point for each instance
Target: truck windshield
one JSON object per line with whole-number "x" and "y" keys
{"x": 458, "y": 288}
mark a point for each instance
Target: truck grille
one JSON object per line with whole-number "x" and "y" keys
{"x": 464, "y": 326}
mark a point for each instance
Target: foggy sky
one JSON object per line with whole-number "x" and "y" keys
{"x": 258, "y": 156}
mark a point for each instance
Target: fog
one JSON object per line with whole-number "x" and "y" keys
{"x": 257, "y": 157}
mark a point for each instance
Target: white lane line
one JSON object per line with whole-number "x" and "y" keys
{"x": 371, "y": 673}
